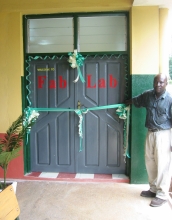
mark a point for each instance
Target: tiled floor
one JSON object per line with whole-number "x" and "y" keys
{"x": 78, "y": 177}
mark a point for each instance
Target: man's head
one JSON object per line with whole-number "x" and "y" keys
{"x": 159, "y": 84}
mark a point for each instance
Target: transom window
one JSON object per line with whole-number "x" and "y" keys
{"x": 102, "y": 33}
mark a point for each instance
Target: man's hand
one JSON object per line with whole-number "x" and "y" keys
{"x": 128, "y": 102}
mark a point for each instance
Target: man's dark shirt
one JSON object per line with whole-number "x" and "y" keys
{"x": 159, "y": 110}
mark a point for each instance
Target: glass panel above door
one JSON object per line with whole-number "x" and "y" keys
{"x": 50, "y": 35}
{"x": 102, "y": 33}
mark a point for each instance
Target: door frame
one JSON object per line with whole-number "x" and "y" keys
{"x": 24, "y": 82}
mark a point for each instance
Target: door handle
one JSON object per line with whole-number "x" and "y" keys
{"x": 79, "y": 105}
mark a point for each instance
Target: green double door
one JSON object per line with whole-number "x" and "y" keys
{"x": 54, "y": 140}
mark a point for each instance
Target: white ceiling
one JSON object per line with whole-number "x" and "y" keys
{"x": 160, "y": 3}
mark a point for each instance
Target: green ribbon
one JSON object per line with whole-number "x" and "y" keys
{"x": 80, "y": 113}
{"x": 79, "y": 62}
{"x": 80, "y": 75}
{"x": 29, "y": 118}
{"x": 122, "y": 111}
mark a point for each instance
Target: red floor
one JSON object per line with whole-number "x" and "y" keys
{"x": 72, "y": 177}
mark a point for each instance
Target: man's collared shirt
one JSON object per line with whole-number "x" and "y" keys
{"x": 159, "y": 110}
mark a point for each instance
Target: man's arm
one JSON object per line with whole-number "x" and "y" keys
{"x": 171, "y": 140}
{"x": 171, "y": 128}
{"x": 138, "y": 101}
{"x": 128, "y": 102}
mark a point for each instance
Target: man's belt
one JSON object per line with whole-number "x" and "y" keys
{"x": 156, "y": 130}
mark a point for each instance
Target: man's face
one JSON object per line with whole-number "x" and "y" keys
{"x": 160, "y": 83}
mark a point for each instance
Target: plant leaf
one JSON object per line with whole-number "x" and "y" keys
{"x": 6, "y": 157}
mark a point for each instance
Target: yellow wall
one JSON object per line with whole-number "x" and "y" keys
{"x": 145, "y": 40}
{"x": 165, "y": 37}
{"x": 11, "y": 68}
{"x": 55, "y": 6}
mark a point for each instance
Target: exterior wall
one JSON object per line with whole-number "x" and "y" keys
{"x": 147, "y": 60}
{"x": 138, "y": 174}
{"x": 145, "y": 64}
{"x": 164, "y": 36}
{"x": 145, "y": 40}
{"x": 58, "y": 6}
{"x": 11, "y": 63}
{"x": 145, "y": 44}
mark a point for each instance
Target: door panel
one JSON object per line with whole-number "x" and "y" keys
{"x": 52, "y": 137}
{"x": 103, "y": 131}
{"x": 55, "y": 142}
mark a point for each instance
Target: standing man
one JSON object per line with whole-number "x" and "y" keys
{"x": 158, "y": 146}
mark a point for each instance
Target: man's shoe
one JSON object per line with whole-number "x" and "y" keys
{"x": 156, "y": 202}
{"x": 148, "y": 194}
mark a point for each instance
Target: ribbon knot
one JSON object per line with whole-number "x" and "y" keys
{"x": 76, "y": 60}
{"x": 80, "y": 113}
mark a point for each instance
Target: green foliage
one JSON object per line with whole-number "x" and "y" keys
{"x": 11, "y": 143}
{"x": 13, "y": 137}
{"x": 6, "y": 157}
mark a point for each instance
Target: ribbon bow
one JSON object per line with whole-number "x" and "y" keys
{"x": 76, "y": 60}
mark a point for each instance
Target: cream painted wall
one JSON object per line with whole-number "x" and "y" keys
{"x": 56, "y": 6}
{"x": 145, "y": 40}
{"x": 11, "y": 63}
{"x": 165, "y": 37}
